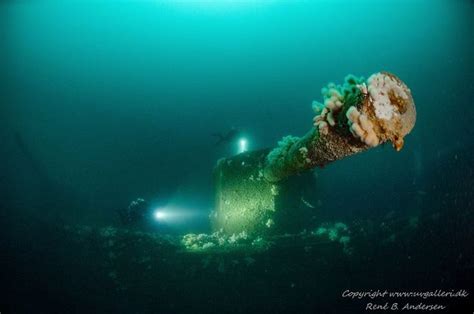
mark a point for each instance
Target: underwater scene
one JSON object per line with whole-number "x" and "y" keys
{"x": 237, "y": 156}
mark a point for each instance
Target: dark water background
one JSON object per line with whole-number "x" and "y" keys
{"x": 106, "y": 101}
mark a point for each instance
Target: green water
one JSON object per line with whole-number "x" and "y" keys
{"x": 105, "y": 101}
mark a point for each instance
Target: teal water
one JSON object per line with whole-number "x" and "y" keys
{"x": 105, "y": 101}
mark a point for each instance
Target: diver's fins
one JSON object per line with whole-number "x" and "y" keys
{"x": 220, "y": 138}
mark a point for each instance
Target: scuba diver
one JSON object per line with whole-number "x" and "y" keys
{"x": 228, "y": 137}
{"x": 135, "y": 213}
{"x": 139, "y": 215}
